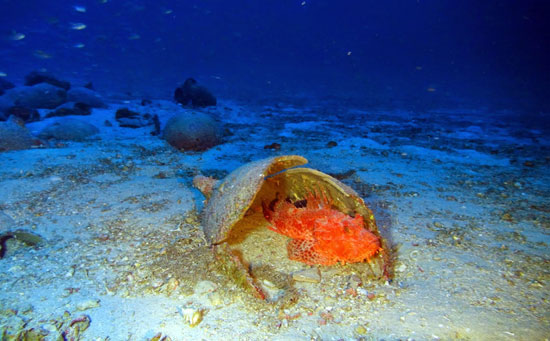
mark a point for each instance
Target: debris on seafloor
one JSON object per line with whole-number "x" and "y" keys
{"x": 237, "y": 216}
{"x": 8, "y": 233}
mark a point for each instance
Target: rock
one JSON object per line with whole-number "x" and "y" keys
{"x": 41, "y": 95}
{"x": 192, "y": 131}
{"x": 14, "y": 135}
{"x": 26, "y": 114}
{"x": 71, "y": 129}
{"x": 198, "y": 95}
{"x": 38, "y": 77}
{"x": 5, "y": 85}
{"x": 86, "y": 96}
{"x": 71, "y": 108}
{"x": 88, "y": 304}
{"x": 131, "y": 119}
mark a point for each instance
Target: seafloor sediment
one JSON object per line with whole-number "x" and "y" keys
{"x": 463, "y": 197}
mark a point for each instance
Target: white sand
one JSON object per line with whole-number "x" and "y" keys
{"x": 470, "y": 223}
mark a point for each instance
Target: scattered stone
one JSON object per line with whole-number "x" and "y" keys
{"x": 86, "y": 96}
{"x": 41, "y": 95}
{"x": 71, "y": 108}
{"x": 5, "y": 104}
{"x": 274, "y": 146}
{"x": 26, "y": 237}
{"x": 192, "y": 131}
{"x": 156, "y": 124}
{"x": 192, "y": 316}
{"x": 146, "y": 101}
{"x": 14, "y": 135}
{"x": 205, "y": 287}
{"x": 131, "y": 119}
{"x": 197, "y": 95}
{"x": 5, "y": 85}
{"x": 71, "y": 129}
{"x": 88, "y": 304}
{"x": 26, "y": 114}
{"x": 331, "y": 144}
{"x": 39, "y": 77}
{"x": 311, "y": 275}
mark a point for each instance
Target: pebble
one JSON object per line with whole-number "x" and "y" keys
{"x": 89, "y": 304}
{"x": 361, "y": 330}
{"x": 205, "y": 287}
{"x": 311, "y": 275}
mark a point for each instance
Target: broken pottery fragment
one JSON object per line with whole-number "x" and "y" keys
{"x": 236, "y": 224}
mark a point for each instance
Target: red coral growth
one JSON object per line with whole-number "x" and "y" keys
{"x": 321, "y": 234}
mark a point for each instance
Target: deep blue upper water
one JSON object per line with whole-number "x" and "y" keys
{"x": 407, "y": 54}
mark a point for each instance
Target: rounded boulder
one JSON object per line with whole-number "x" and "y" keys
{"x": 192, "y": 131}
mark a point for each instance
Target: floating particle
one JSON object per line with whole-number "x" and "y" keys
{"x": 419, "y": 68}
{"x": 15, "y": 36}
{"x": 79, "y": 45}
{"x": 430, "y": 89}
{"x": 134, "y": 36}
{"x": 78, "y": 26}
{"x": 349, "y": 53}
{"x": 303, "y": 3}
{"x": 79, "y": 8}
{"x": 168, "y": 11}
{"x": 3, "y": 74}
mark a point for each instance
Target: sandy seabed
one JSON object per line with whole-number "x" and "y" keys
{"x": 463, "y": 196}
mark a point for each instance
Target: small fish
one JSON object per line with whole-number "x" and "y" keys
{"x": 78, "y": 26}
{"x": 168, "y": 11}
{"x": 79, "y": 8}
{"x": 3, "y": 74}
{"x": 15, "y": 36}
{"x": 79, "y": 45}
{"x": 42, "y": 54}
{"x": 134, "y": 36}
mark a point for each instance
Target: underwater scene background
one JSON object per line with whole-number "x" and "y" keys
{"x": 391, "y": 53}
{"x": 274, "y": 170}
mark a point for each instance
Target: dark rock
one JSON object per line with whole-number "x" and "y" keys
{"x": 331, "y": 144}
{"x": 38, "y": 77}
{"x": 146, "y": 101}
{"x": 5, "y": 85}
{"x": 26, "y": 114}
{"x": 107, "y": 123}
{"x": 89, "y": 85}
{"x": 131, "y": 119}
{"x": 41, "y": 95}
{"x": 14, "y": 135}
{"x": 156, "y": 122}
{"x": 71, "y": 108}
{"x": 86, "y": 96}
{"x": 274, "y": 146}
{"x": 71, "y": 129}
{"x": 192, "y": 131}
{"x": 197, "y": 95}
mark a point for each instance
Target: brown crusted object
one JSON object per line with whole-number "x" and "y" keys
{"x": 228, "y": 216}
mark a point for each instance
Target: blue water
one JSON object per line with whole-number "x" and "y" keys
{"x": 407, "y": 54}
